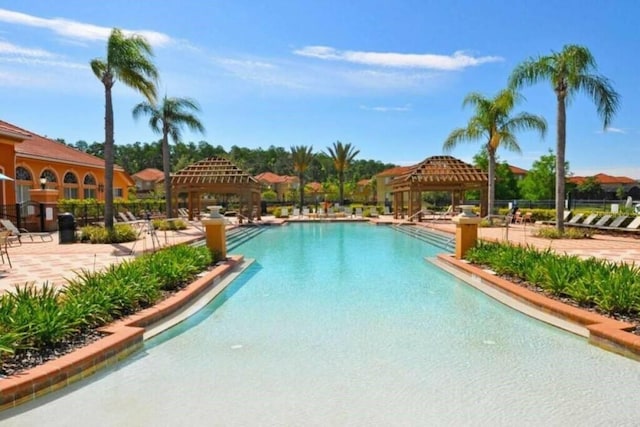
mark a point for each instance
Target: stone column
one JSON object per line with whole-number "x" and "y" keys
{"x": 466, "y": 230}
{"x": 215, "y": 231}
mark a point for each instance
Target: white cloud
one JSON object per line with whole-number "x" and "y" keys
{"x": 615, "y": 130}
{"x": 77, "y": 30}
{"x": 459, "y": 60}
{"x": 385, "y": 109}
{"x": 44, "y": 62}
{"x": 7, "y": 48}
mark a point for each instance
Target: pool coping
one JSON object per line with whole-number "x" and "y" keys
{"x": 604, "y": 332}
{"x": 125, "y": 336}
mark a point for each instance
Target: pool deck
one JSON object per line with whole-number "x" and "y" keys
{"x": 53, "y": 262}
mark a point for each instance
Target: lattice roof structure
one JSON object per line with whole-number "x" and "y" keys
{"x": 213, "y": 171}
{"x": 219, "y": 176}
{"x": 437, "y": 173}
{"x": 441, "y": 172}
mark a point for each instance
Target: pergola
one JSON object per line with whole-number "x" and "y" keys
{"x": 437, "y": 173}
{"x": 219, "y": 176}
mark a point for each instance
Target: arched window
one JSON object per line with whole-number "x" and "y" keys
{"x": 70, "y": 185}
{"x": 24, "y": 183}
{"x": 89, "y": 186}
{"x": 50, "y": 176}
{"x": 23, "y": 174}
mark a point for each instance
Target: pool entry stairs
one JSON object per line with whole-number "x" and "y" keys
{"x": 239, "y": 235}
{"x": 441, "y": 240}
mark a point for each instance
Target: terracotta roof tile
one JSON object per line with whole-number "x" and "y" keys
{"x": 36, "y": 146}
{"x": 149, "y": 174}
{"x": 517, "y": 171}
{"x": 602, "y": 178}
{"x": 398, "y": 170}
{"x": 270, "y": 178}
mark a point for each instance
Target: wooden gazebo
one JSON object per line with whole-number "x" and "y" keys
{"x": 219, "y": 176}
{"x": 437, "y": 173}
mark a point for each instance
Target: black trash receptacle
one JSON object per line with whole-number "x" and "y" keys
{"x": 66, "y": 228}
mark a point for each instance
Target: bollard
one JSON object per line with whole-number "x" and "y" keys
{"x": 466, "y": 230}
{"x": 215, "y": 231}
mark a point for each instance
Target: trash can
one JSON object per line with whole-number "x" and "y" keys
{"x": 66, "y": 228}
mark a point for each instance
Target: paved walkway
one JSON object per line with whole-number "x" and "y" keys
{"x": 40, "y": 262}
{"x": 49, "y": 261}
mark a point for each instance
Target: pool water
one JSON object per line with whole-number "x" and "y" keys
{"x": 347, "y": 324}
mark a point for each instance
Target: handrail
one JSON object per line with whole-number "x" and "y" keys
{"x": 420, "y": 212}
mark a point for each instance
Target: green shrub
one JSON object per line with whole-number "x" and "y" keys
{"x": 614, "y": 288}
{"x": 121, "y": 233}
{"x": 163, "y": 224}
{"x": 569, "y": 233}
{"x": 37, "y": 317}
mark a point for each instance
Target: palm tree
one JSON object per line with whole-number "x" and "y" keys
{"x": 302, "y": 157}
{"x": 128, "y": 61}
{"x": 168, "y": 119}
{"x": 493, "y": 123}
{"x": 569, "y": 71}
{"x": 342, "y": 156}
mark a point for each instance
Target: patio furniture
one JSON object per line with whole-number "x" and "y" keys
{"x": 23, "y": 232}
{"x": 4, "y": 238}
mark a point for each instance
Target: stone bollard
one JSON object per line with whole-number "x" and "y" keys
{"x": 466, "y": 230}
{"x": 215, "y": 231}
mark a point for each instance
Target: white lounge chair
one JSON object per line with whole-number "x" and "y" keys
{"x": 19, "y": 233}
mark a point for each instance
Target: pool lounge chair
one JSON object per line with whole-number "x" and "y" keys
{"x": 615, "y": 224}
{"x": 19, "y": 233}
{"x": 600, "y": 223}
{"x": 588, "y": 221}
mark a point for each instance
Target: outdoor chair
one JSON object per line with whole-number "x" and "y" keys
{"x": 574, "y": 219}
{"x": 19, "y": 233}
{"x": 615, "y": 224}
{"x": 588, "y": 221}
{"x": 4, "y": 239}
{"x": 373, "y": 212}
{"x": 296, "y": 212}
{"x": 358, "y": 212}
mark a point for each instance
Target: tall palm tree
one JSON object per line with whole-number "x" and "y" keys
{"x": 128, "y": 61}
{"x": 167, "y": 119}
{"x": 569, "y": 71}
{"x": 493, "y": 123}
{"x": 342, "y": 156}
{"x": 302, "y": 157}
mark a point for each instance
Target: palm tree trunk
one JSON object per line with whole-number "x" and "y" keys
{"x": 108, "y": 159}
{"x": 560, "y": 155}
{"x": 341, "y": 179}
{"x": 301, "y": 191}
{"x": 166, "y": 167}
{"x": 491, "y": 190}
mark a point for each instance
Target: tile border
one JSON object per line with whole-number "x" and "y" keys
{"x": 125, "y": 337}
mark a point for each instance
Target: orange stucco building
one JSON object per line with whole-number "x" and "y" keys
{"x": 45, "y": 170}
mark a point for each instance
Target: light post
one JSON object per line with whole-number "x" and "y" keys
{"x": 43, "y": 182}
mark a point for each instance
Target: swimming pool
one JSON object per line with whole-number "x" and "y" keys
{"x": 346, "y": 324}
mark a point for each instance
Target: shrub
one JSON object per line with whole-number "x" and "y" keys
{"x": 121, "y": 233}
{"x": 569, "y": 233}
{"x": 163, "y": 224}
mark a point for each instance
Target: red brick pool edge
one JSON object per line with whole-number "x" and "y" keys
{"x": 125, "y": 337}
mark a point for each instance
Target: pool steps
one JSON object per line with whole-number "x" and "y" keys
{"x": 441, "y": 240}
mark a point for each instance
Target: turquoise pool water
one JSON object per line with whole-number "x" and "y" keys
{"x": 347, "y": 324}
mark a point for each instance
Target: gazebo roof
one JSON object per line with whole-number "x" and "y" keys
{"x": 441, "y": 172}
{"x": 212, "y": 171}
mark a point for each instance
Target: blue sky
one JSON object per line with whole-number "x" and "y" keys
{"x": 387, "y": 76}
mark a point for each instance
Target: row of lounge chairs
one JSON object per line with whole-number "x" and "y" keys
{"x": 595, "y": 222}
